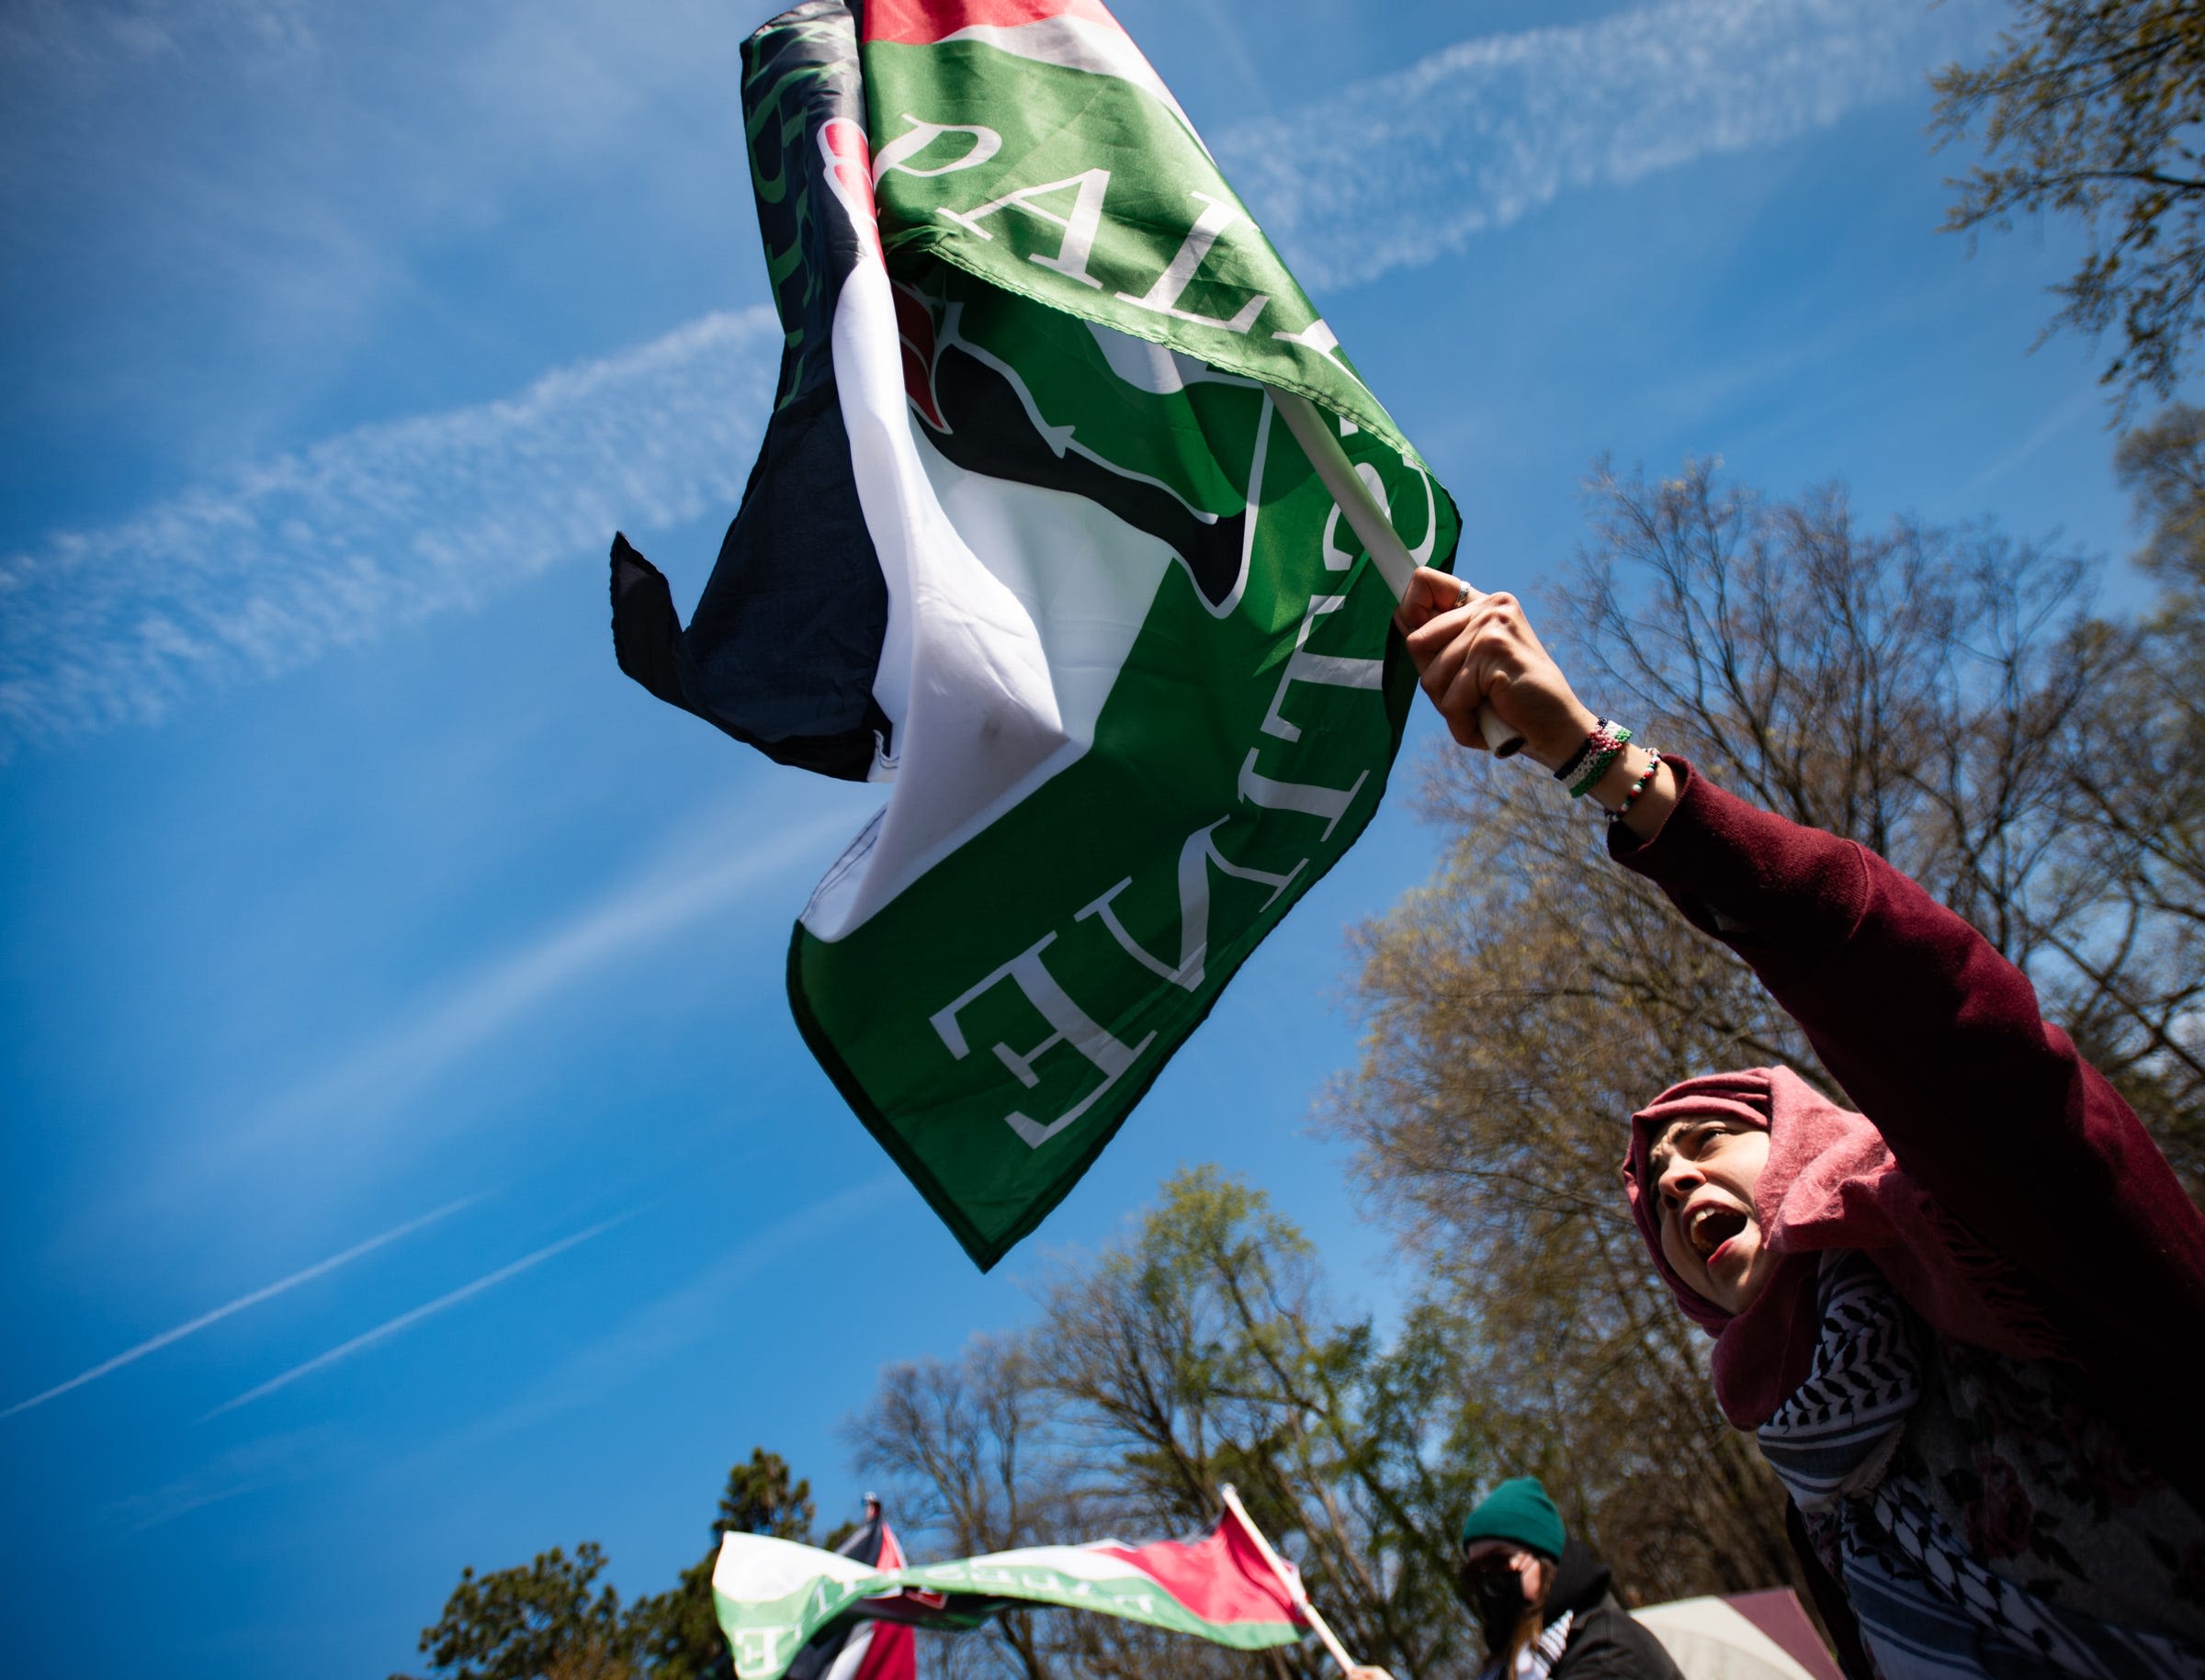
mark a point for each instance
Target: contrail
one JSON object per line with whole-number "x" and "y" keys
{"x": 1398, "y": 170}
{"x": 652, "y": 1334}
{"x": 270, "y": 567}
{"x": 154, "y": 1344}
{"x": 383, "y": 1332}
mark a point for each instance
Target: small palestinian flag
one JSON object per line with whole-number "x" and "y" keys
{"x": 773, "y": 1594}
{"x": 1034, "y": 538}
{"x": 850, "y": 1649}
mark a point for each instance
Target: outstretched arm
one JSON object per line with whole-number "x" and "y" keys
{"x": 1933, "y": 1035}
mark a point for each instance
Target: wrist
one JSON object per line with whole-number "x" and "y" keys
{"x": 1638, "y": 791}
{"x": 1556, "y": 748}
{"x": 1617, "y": 781}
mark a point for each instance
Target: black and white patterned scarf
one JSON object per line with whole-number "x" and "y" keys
{"x": 1537, "y": 1659}
{"x": 1925, "y": 1606}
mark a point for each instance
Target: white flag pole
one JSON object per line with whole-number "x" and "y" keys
{"x": 1288, "y": 1578}
{"x": 1370, "y": 525}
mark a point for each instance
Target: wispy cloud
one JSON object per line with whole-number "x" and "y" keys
{"x": 223, "y": 213}
{"x": 694, "y": 883}
{"x": 676, "y": 1320}
{"x": 1401, "y": 169}
{"x": 2088, "y": 400}
{"x": 254, "y": 1466}
{"x": 375, "y": 528}
{"x": 391, "y": 524}
{"x": 406, "y": 1321}
{"x": 680, "y": 1318}
{"x": 365, "y": 1111}
{"x": 321, "y": 1269}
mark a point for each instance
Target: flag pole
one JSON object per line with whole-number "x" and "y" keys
{"x": 1288, "y": 1579}
{"x": 1373, "y": 528}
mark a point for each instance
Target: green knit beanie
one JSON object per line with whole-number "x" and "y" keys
{"x": 1517, "y": 1510}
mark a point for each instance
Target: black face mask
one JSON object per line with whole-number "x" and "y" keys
{"x": 1496, "y": 1599}
{"x": 1500, "y": 1595}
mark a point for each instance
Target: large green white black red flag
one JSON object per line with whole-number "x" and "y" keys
{"x": 1030, "y": 539}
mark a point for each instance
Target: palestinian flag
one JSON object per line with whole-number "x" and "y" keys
{"x": 850, "y": 1649}
{"x": 1034, "y": 537}
{"x": 771, "y": 1595}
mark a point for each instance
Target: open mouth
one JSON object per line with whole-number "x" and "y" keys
{"x": 1709, "y": 1226}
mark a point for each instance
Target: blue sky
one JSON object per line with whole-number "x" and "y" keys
{"x": 410, "y": 1160}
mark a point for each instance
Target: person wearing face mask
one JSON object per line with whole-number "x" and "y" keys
{"x": 1966, "y": 1318}
{"x": 1541, "y": 1600}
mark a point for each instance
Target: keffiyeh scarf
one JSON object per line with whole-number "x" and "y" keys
{"x": 1537, "y": 1659}
{"x": 1926, "y": 1608}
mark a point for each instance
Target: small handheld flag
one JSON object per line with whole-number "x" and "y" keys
{"x": 853, "y": 1648}
{"x": 773, "y": 1597}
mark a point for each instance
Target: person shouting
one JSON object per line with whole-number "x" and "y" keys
{"x": 1965, "y": 1318}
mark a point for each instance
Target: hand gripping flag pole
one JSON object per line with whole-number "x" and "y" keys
{"x": 1372, "y": 526}
{"x": 1289, "y": 1578}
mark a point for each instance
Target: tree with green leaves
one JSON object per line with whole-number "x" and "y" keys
{"x": 543, "y": 1621}
{"x": 678, "y": 1631}
{"x": 1202, "y": 1352}
{"x": 2092, "y": 108}
{"x": 1199, "y": 1351}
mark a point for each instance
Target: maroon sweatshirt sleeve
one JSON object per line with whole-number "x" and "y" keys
{"x": 1938, "y": 1039}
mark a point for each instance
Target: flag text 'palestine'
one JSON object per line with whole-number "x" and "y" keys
{"x": 1028, "y": 539}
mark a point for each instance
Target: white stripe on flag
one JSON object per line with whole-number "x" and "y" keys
{"x": 852, "y": 1656}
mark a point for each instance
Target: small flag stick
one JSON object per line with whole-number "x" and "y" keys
{"x": 1372, "y": 526}
{"x": 1288, "y": 1578}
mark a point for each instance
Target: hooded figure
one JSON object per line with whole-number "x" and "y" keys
{"x": 1541, "y": 1600}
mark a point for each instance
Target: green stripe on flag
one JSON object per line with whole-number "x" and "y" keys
{"x": 993, "y": 1018}
{"x": 1092, "y": 201}
{"x": 765, "y": 1635}
{"x": 974, "y": 946}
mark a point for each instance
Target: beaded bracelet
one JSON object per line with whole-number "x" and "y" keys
{"x": 1603, "y": 735}
{"x": 1601, "y": 749}
{"x": 1646, "y": 778}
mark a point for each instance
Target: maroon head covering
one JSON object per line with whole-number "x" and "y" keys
{"x": 1831, "y": 1182}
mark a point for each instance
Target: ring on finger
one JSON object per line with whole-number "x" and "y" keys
{"x": 1463, "y": 600}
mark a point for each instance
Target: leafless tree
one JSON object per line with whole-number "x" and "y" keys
{"x": 1199, "y": 1353}
{"x": 1944, "y": 696}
